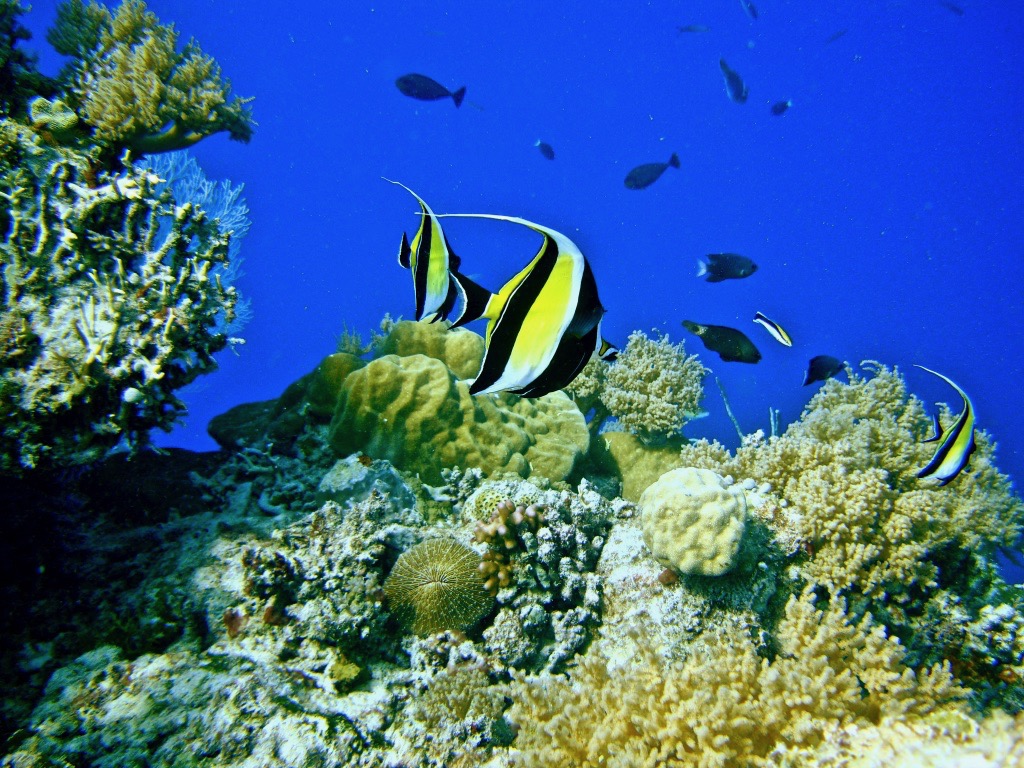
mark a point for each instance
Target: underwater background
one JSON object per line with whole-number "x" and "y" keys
{"x": 884, "y": 209}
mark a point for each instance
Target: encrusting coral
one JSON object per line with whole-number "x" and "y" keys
{"x": 437, "y": 585}
{"x": 128, "y": 81}
{"x": 111, "y": 303}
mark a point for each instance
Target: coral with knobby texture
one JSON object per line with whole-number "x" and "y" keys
{"x": 128, "y": 81}
{"x": 693, "y": 521}
{"x": 111, "y": 303}
{"x": 461, "y": 350}
{"x": 654, "y": 388}
{"x": 624, "y": 456}
{"x": 436, "y": 585}
{"x": 414, "y": 412}
{"x": 724, "y": 705}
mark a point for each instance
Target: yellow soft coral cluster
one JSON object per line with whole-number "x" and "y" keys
{"x": 725, "y": 705}
{"x": 845, "y": 489}
{"x": 137, "y": 91}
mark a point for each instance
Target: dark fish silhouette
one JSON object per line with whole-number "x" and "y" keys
{"x": 750, "y": 8}
{"x": 644, "y": 175}
{"x": 821, "y": 368}
{"x": 780, "y": 107}
{"x": 731, "y": 345}
{"x": 426, "y": 89}
{"x": 734, "y": 85}
{"x": 725, "y": 266}
{"x": 690, "y": 28}
{"x": 835, "y": 36}
{"x": 545, "y": 149}
{"x": 955, "y": 9}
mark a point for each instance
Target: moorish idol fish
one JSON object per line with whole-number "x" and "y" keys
{"x": 544, "y": 325}
{"x": 777, "y": 331}
{"x": 956, "y": 444}
{"x": 440, "y": 290}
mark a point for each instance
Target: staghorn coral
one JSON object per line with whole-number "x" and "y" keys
{"x": 436, "y": 585}
{"x": 130, "y": 83}
{"x": 654, "y": 388}
{"x": 502, "y": 534}
{"x": 693, "y": 521}
{"x": 111, "y": 303}
{"x": 724, "y": 705}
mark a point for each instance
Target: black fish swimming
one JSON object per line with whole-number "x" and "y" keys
{"x": 835, "y": 36}
{"x": 731, "y": 345}
{"x": 780, "y": 107}
{"x": 725, "y": 266}
{"x": 750, "y": 8}
{"x": 644, "y": 175}
{"x": 691, "y": 28}
{"x": 821, "y": 368}
{"x": 427, "y": 89}
{"x": 545, "y": 149}
{"x": 952, "y": 7}
{"x": 734, "y": 85}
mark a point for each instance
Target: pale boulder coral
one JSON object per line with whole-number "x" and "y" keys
{"x": 693, "y": 521}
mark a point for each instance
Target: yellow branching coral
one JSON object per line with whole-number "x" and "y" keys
{"x": 725, "y": 705}
{"x": 844, "y": 480}
{"x": 135, "y": 89}
{"x": 654, "y": 387}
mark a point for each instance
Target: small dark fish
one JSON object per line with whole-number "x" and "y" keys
{"x": 821, "y": 368}
{"x": 725, "y": 266}
{"x": 836, "y": 35}
{"x": 689, "y": 28}
{"x": 951, "y": 7}
{"x": 426, "y": 89}
{"x": 545, "y": 149}
{"x": 731, "y": 345}
{"x": 750, "y": 9}
{"x": 734, "y": 85}
{"x": 644, "y": 175}
{"x": 956, "y": 443}
{"x": 780, "y": 107}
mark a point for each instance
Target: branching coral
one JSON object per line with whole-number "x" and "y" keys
{"x": 111, "y": 301}
{"x": 128, "y": 81}
{"x": 724, "y": 705}
{"x": 653, "y": 388}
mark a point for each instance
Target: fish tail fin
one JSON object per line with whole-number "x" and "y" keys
{"x": 702, "y": 268}
{"x": 674, "y": 160}
{"x": 458, "y": 96}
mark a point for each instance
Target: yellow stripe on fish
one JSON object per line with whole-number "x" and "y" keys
{"x": 956, "y": 444}
{"x": 777, "y": 331}
{"x": 544, "y": 324}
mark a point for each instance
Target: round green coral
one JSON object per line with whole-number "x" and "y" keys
{"x": 436, "y": 585}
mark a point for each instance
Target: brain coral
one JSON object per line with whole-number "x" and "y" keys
{"x": 436, "y": 585}
{"x": 414, "y": 412}
{"x": 693, "y": 522}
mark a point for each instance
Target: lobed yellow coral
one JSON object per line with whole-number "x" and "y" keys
{"x": 412, "y": 411}
{"x": 725, "y": 705}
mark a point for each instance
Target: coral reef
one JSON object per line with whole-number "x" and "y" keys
{"x": 436, "y": 585}
{"x": 111, "y": 303}
{"x": 693, "y": 521}
{"x": 19, "y": 80}
{"x": 127, "y": 80}
{"x": 724, "y": 705}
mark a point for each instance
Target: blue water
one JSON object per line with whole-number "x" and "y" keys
{"x": 885, "y": 208}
